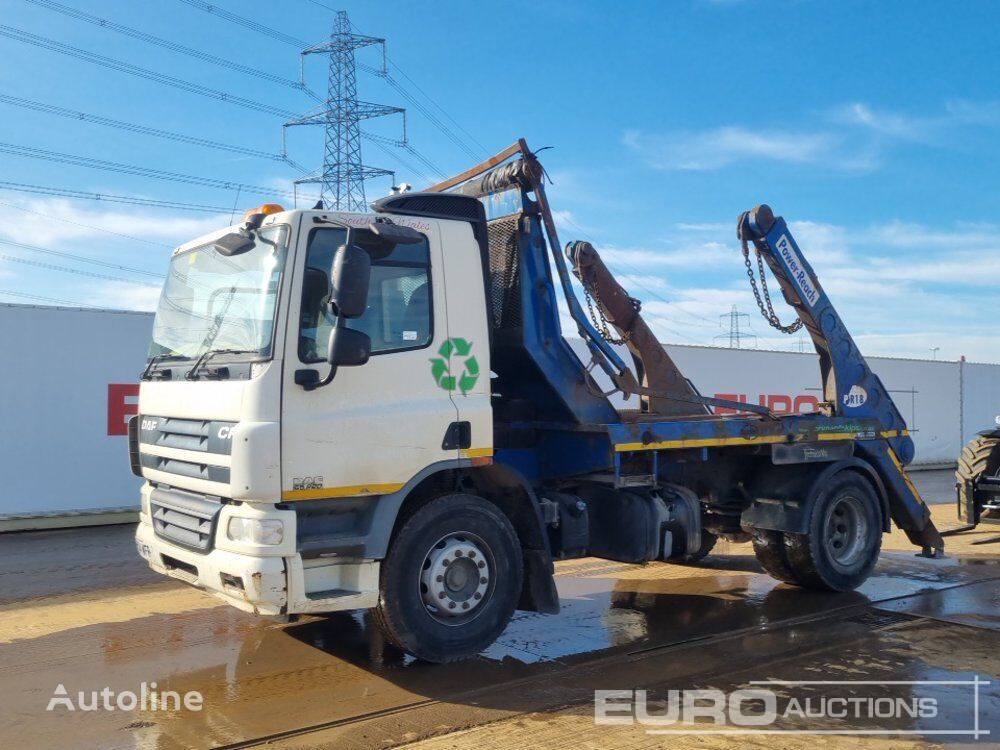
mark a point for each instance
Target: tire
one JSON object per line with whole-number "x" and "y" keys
{"x": 460, "y": 550}
{"x": 844, "y": 539}
{"x": 769, "y": 547}
{"x": 980, "y": 457}
{"x": 708, "y": 540}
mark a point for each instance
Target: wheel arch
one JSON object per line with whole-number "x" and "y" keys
{"x": 501, "y": 485}
{"x": 777, "y": 484}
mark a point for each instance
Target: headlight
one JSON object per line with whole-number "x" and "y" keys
{"x": 255, "y": 531}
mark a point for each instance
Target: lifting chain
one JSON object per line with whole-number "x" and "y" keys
{"x": 600, "y": 320}
{"x": 768, "y": 312}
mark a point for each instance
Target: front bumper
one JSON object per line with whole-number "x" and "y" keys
{"x": 276, "y": 585}
{"x": 254, "y": 584}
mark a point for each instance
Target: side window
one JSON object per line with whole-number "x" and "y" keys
{"x": 399, "y": 314}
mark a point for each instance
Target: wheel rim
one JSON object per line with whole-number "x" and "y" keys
{"x": 457, "y": 578}
{"x": 846, "y": 537}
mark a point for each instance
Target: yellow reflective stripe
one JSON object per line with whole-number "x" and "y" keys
{"x": 350, "y": 490}
{"x": 765, "y": 440}
{"x": 699, "y": 443}
{"x": 475, "y": 452}
{"x": 906, "y": 477}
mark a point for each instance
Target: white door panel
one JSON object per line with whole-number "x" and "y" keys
{"x": 469, "y": 361}
{"x": 377, "y": 425}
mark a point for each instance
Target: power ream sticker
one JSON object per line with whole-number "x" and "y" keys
{"x": 797, "y": 270}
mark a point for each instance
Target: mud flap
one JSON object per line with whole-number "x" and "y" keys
{"x": 538, "y": 592}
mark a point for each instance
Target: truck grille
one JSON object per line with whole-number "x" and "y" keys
{"x": 184, "y": 518}
{"x": 186, "y": 468}
{"x": 207, "y": 436}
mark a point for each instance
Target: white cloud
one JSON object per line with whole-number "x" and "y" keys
{"x": 881, "y": 121}
{"x": 722, "y": 146}
{"x": 126, "y": 296}
{"x": 53, "y": 221}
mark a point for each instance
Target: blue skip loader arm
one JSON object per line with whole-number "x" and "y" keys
{"x": 850, "y": 388}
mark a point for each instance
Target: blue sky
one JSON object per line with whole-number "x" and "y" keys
{"x": 872, "y": 127}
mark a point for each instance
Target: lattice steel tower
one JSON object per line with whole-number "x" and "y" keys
{"x": 343, "y": 176}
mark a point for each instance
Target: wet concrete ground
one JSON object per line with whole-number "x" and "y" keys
{"x": 78, "y": 609}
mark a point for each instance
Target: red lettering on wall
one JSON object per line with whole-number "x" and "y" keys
{"x": 779, "y": 403}
{"x": 122, "y": 404}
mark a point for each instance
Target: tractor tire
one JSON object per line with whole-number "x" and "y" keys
{"x": 451, "y": 580}
{"x": 980, "y": 457}
{"x": 769, "y": 547}
{"x": 844, "y": 537}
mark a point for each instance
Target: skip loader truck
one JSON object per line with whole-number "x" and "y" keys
{"x": 347, "y": 411}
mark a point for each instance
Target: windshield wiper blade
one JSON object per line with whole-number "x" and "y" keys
{"x": 192, "y": 374}
{"x": 156, "y": 359}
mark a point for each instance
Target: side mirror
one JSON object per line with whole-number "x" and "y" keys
{"x": 349, "y": 279}
{"x": 348, "y": 348}
{"x": 233, "y": 243}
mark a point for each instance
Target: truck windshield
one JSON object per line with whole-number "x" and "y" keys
{"x": 211, "y": 301}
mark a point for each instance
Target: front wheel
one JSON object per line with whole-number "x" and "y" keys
{"x": 451, "y": 580}
{"x": 842, "y": 545}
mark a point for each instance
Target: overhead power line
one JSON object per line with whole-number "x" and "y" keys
{"x": 40, "y": 298}
{"x": 382, "y": 73}
{"x": 398, "y": 87}
{"x": 131, "y": 169}
{"x": 195, "y": 88}
{"x": 77, "y": 271}
{"x": 128, "y": 31}
{"x": 79, "y": 258}
{"x": 21, "y": 187}
{"x": 51, "y": 109}
{"x": 260, "y": 28}
{"x": 102, "y": 230}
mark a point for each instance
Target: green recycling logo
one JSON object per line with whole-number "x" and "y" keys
{"x": 456, "y": 357}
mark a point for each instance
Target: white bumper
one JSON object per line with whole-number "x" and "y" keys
{"x": 264, "y": 585}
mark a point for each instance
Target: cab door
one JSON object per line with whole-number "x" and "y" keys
{"x": 467, "y": 352}
{"x": 375, "y": 426}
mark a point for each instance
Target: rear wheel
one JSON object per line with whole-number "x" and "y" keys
{"x": 844, "y": 539}
{"x": 451, "y": 580}
{"x": 980, "y": 457}
{"x": 769, "y": 547}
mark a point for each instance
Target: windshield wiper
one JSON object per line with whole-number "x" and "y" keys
{"x": 192, "y": 374}
{"x": 147, "y": 373}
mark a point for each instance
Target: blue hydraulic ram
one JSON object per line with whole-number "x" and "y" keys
{"x": 850, "y": 388}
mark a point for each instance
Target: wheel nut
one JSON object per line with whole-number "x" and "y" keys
{"x": 465, "y": 605}
{"x": 451, "y": 605}
{"x": 482, "y": 564}
{"x": 446, "y": 562}
{"x": 458, "y": 553}
{"x": 477, "y": 595}
{"x": 441, "y": 595}
{"x": 472, "y": 553}
{"x": 440, "y": 578}
{"x": 482, "y": 580}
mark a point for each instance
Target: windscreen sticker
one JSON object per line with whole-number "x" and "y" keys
{"x": 797, "y": 270}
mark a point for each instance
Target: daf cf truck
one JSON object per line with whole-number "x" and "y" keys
{"x": 380, "y": 411}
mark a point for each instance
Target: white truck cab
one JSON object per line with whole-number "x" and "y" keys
{"x": 260, "y": 490}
